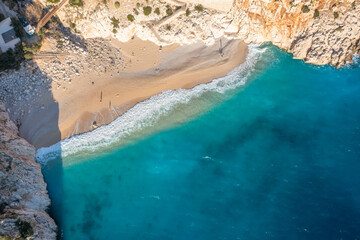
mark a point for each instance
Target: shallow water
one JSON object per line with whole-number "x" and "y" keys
{"x": 277, "y": 158}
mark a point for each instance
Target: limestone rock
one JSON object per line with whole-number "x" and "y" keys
{"x": 23, "y": 195}
{"x": 320, "y": 32}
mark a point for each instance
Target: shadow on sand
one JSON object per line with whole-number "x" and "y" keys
{"x": 28, "y": 97}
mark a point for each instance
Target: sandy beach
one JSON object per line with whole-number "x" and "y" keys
{"x": 93, "y": 99}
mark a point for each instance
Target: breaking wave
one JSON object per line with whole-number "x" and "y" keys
{"x": 354, "y": 63}
{"x": 146, "y": 113}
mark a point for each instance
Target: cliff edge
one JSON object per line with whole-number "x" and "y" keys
{"x": 23, "y": 195}
{"x": 320, "y": 32}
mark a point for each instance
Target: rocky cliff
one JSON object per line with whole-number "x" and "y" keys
{"x": 23, "y": 194}
{"x": 318, "y": 31}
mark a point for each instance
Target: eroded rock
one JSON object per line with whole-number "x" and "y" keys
{"x": 23, "y": 195}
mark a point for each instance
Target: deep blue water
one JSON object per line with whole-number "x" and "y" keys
{"x": 276, "y": 159}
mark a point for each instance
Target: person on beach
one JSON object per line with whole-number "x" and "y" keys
{"x": 221, "y": 49}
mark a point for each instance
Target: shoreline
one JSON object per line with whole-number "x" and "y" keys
{"x": 78, "y": 109}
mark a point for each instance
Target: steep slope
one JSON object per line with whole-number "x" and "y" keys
{"x": 320, "y": 31}
{"x": 23, "y": 194}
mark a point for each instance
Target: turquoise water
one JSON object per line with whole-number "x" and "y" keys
{"x": 277, "y": 158}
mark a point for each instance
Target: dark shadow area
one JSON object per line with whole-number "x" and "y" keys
{"x": 26, "y": 92}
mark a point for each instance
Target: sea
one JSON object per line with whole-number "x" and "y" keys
{"x": 271, "y": 151}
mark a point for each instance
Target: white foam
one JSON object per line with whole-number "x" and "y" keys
{"x": 354, "y": 63}
{"x": 356, "y": 59}
{"x": 146, "y": 113}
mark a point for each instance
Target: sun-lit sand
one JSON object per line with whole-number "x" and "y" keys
{"x": 94, "y": 99}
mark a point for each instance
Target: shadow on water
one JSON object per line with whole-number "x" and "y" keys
{"x": 31, "y": 105}
{"x": 269, "y": 164}
{"x": 53, "y": 170}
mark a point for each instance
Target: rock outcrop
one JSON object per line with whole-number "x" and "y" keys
{"x": 23, "y": 195}
{"x": 318, "y": 31}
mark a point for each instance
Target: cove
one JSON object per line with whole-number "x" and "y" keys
{"x": 276, "y": 158}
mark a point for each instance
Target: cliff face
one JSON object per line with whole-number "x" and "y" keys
{"x": 318, "y": 31}
{"x": 23, "y": 194}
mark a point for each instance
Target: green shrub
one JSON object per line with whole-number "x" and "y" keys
{"x": 2, "y": 207}
{"x": 6, "y": 237}
{"x": 138, "y": 5}
{"x": 53, "y": 1}
{"x": 305, "y": 9}
{"x": 41, "y": 33}
{"x": 187, "y": 12}
{"x": 7, "y": 60}
{"x": 316, "y": 13}
{"x": 136, "y": 11}
{"x": 54, "y": 21}
{"x": 339, "y": 29}
{"x": 353, "y": 4}
{"x": 18, "y": 28}
{"x": 114, "y": 31}
{"x": 147, "y": 10}
{"x": 29, "y": 50}
{"x": 336, "y": 15}
{"x": 157, "y": 11}
{"x": 168, "y": 27}
{"x": 25, "y": 228}
{"x": 199, "y": 8}
{"x": 28, "y": 55}
{"x": 73, "y": 25}
{"x": 169, "y": 11}
{"x": 130, "y": 17}
{"x": 76, "y": 3}
{"x": 2, "y": 17}
{"x": 114, "y": 22}
{"x": 35, "y": 47}
{"x": 117, "y": 4}
{"x": 105, "y": 3}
